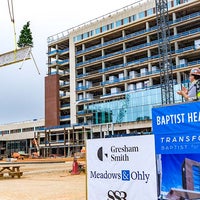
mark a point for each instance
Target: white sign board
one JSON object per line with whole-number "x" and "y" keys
{"x": 122, "y": 168}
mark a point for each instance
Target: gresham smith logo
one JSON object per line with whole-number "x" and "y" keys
{"x": 100, "y": 154}
{"x": 117, "y": 153}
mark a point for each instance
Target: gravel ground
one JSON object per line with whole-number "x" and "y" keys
{"x": 44, "y": 181}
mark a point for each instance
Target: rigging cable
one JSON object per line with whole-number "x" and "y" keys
{"x": 12, "y": 18}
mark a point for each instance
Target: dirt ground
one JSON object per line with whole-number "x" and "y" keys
{"x": 44, "y": 181}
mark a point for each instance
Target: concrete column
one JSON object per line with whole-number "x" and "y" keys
{"x": 149, "y": 53}
{"x": 178, "y": 75}
{"x": 125, "y": 75}
{"x": 149, "y": 67}
{"x": 112, "y": 127}
{"x": 128, "y": 131}
{"x": 123, "y": 34}
{"x": 68, "y": 141}
{"x": 174, "y": 18}
{"x": 148, "y": 39}
{"x": 103, "y": 78}
{"x": 84, "y": 136}
{"x": 177, "y": 60}
{"x": 72, "y": 82}
{"x": 84, "y": 71}
{"x": 150, "y": 81}
{"x": 64, "y": 142}
{"x": 77, "y": 138}
{"x": 100, "y": 131}
{"x": 83, "y": 46}
{"x": 147, "y": 25}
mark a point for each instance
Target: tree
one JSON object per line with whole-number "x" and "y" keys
{"x": 25, "y": 38}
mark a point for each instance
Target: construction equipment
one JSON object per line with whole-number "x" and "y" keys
{"x": 35, "y": 143}
{"x": 20, "y": 155}
{"x": 18, "y": 54}
{"x": 164, "y": 49}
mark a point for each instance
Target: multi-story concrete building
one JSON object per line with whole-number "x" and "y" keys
{"x": 104, "y": 78}
{"x": 20, "y": 136}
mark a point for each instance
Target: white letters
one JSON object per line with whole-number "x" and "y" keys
{"x": 193, "y": 117}
{"x": 170, "y": 119}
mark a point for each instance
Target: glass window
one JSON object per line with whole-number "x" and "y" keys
{"x": 28, "y": 129}
{"x": 118, "y": 23}
{"x": 97, "y": 31}
{"x": 104, "y": 28}
{"x": 136, "y": 17}
{"x": 85, "y": 35}
{"x": 132, "y": 18}
{"x": 141, "y": 15}
{"x": 4, "y": 132}
{"x": 150, "y": 12}
{"x": 169, "y": 4}
{"x": 126, "y": 21}
{"x": 177, "y": 2}
{"x": 79, "y": 37}
{"x": 196, "y": 177}
{"x": 135, "y": 107}
{"x": 91, "y": 33}
{"x": 110, "y": 26}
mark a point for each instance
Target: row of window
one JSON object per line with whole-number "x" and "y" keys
{"x": 135, "y": 107}
{"x": 124, "y": 21}
{"x": 20, "y": 130}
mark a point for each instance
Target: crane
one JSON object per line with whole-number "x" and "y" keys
{"x": 25, "y": 43}
{"x": 164, "y": 50}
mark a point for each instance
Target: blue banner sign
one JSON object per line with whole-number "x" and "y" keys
{"x": 179, "y": 118}
{"x": 178, "y": 143}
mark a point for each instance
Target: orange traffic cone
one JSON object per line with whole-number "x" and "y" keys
{"x": 75, "y": 168}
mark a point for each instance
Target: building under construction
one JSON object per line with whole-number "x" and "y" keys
{"x": 104, "y": 75}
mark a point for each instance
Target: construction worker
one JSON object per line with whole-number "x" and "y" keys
{"x": 193, "y": 93}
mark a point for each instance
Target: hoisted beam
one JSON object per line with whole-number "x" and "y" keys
{"x": 15, "y": 56}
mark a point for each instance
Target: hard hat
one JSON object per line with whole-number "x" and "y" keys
{"x": 195, "y": 71}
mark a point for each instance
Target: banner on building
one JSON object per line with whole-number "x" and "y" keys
{"x": 122, "y": 168}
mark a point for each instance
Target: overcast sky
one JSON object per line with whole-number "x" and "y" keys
{"x": 22, "y": 91}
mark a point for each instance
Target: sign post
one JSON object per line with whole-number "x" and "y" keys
{"x": 122, "y": 168}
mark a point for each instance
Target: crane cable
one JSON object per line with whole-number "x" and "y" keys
{"x": 12, "y": 18}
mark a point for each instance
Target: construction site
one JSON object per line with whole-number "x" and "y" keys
{"x": 109, "y": 81}
{"x": 104, "y": 78}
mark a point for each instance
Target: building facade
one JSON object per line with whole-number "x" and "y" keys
{"x": 104, "y": 78}
{"x": 20, "y": 136}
